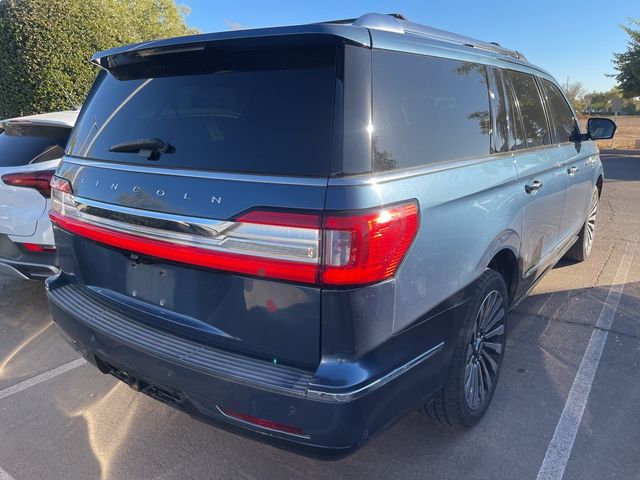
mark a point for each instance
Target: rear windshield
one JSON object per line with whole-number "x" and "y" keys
{"x": 268, "y": 111}
{"x": 25, "y": 144}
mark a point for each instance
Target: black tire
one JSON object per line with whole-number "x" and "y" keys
{"x": 581, "y": 250}
{"x": 451, "y": 406}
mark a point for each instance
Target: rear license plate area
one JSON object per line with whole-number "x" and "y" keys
{"x": 151, "y": 283}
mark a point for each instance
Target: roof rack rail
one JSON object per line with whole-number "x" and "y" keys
{"x": 398, "y": 23}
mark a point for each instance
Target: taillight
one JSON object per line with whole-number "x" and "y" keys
{"x": 334, "y": 249}
{"x": 61, "y": 184}
{"x": 358, "y": 247}
{"x": 367, "y": 247}
{"x": 36, "y": 180}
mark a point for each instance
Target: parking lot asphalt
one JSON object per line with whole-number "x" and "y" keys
{"x": 568, "y": 401}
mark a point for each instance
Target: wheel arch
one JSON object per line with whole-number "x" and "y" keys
{"x": 599, "y": 183}
{"x": 502, "y": 256}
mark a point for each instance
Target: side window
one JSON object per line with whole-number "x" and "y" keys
{"x": 565, "y": 126}
{"x": 536, "y": 128}
{"x": 427, "y": 110}
{"x": 507, "y": 126}
{"x": 499, "y": 113}
{"x": 515, "y": 121}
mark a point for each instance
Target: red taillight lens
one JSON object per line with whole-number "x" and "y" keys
{"x": 368, "y": 247}
{"x": 37, "y": 180}
{"x": 238, "y": 263}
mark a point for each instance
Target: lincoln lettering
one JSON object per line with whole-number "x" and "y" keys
{"x": 158, "y": 192}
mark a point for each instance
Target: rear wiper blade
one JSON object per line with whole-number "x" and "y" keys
{"x": 151, "y": 148}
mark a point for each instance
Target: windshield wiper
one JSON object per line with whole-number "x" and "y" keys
{"x": 151, "y": 148}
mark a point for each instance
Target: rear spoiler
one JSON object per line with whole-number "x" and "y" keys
{"x": 120, "y": 56}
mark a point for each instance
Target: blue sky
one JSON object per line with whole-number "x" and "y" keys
{"x": 574, "y": 39}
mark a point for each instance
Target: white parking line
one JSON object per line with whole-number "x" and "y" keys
{"x": 5, "y": 476}
{"x": 43, "y": 377}
{"x": 559, "y": 450}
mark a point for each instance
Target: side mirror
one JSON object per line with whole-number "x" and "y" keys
{"x": 601, "y": 128}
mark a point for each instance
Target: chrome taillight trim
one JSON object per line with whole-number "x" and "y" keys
{"x": 283, "y": 243}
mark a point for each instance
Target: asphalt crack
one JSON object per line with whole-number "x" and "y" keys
{"x": 604, "y": 265}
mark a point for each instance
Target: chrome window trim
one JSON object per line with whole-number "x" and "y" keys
{"x": 392, "y": 175}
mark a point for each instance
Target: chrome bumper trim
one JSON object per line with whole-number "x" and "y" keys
{"x": 348, "y": 396}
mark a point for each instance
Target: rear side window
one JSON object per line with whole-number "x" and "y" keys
{"x": 565, "y": 126}
{"x": 507, "y": 125}
{"x": 501, "y": 131}
{"x": 250, "y": 111}
{"x": 515, "y": 121}
{"x": 427, "y": 110}
{"x": 24, "y": 144}
{"x": 536, "y": 128}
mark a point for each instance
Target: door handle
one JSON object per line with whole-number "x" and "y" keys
{"x": 572, "y": 171}
{"x": 533, "y": 187}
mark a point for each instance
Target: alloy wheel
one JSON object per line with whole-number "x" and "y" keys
{"x": 591, "y": 225}
{"x": 484, "y": 350}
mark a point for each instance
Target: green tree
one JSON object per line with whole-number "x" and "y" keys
{"x": 603, "y": 101}
{"x": 47, "y": 45}
{"x": 628, "y": 63}
{"x": 575, "y": 94}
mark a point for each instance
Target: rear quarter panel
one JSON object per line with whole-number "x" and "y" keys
{"x": 468, "y": 212}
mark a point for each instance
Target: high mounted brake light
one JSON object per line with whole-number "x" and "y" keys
{"x": 334, "y": 249}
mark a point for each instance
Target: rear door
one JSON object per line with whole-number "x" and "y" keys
{"x": 25, "y": 147}
{"x": 579, "y": 163}
{"x": 543, "y": 180}
{"x": 243, "y": 143}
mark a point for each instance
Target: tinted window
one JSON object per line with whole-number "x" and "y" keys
{"x": 517, "y": 141}
{"x": 531, "y": 109}
{"x": 24, "y": 144}
{"x": 500, "y": 115}
{"x": 507, "y": 127}
{"x": 268, "y": 111}
{"x": 565, "y": 126}
{"x": 427, "y": 110}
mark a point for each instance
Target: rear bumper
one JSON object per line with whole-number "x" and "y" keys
{"x": 207, "y": 382}
{"x": 26, "y": 265}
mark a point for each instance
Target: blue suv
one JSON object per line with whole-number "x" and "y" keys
{"x": 306, "y": 232}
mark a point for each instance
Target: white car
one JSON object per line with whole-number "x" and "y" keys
{"x": 30, "y": 151}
